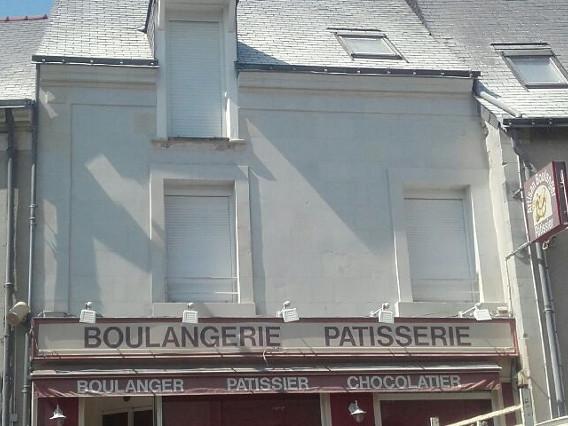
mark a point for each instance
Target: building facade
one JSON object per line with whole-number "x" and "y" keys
{"x": 20, "y": 38}
{"x": 235, "y": 157}
{"x": 525, "y": 117}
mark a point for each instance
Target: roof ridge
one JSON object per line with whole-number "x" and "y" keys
{"x": 23, "y": 18}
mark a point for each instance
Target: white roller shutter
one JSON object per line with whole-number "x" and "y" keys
{"x": 440, "y": 250}
{"x": 194, "y": 79}
{"x": 200, "y": 249}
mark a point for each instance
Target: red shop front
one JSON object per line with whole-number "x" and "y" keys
{"x": 264, "y": 372}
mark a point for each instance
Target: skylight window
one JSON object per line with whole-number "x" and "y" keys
{"x": 535, "y": 66}
{"x": 538, "y": 70}
{"x": 371, "y": 44}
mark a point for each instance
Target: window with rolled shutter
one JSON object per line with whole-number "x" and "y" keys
{"x": 440, "y": 246}
{"x": 194, "y": 79}
{"x": 200, "y": 241}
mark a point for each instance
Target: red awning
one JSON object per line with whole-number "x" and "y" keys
{"x": 327, "y": 379}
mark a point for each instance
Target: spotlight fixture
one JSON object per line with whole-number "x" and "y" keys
{"x": 288, "y": 314}
{"x": 88, "y": 314}
{"x": 58, "y": 417}
{"x": 383, "y": 314}
{"x": 477, "y": 313}
{"x": 190, "y": 316}
{"x": 356, "y": 412}
{"x": 18, "y": 313}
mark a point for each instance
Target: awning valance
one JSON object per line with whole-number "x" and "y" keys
{"x": 462, "y": 377}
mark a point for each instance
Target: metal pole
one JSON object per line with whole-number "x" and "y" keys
{"x": 539, "y": 257}
{"x": 549, "y": 317}
{"x": 26, "y": 388}
{"x": 7, "y": 372}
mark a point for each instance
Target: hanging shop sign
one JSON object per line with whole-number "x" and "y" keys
{"x": 147, "y": 338}
{"x": 267, "y": 383}
{"x": 546, "y": 202}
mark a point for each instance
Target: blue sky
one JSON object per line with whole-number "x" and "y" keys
{"x": 24, "y": 7}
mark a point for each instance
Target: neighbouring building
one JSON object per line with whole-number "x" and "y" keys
{"x": 236, "y": 156}
{"x": 520, "y": 49}
{"x": 19, "y": 39}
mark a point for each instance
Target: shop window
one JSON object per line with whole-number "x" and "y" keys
{"x": 419, "y": 412}
{"x": 194, "y": 79}
{"x": 242, "y": 410}
{"x": 115, "y": 419}
{"x": 440, "y": 246}
{"x": 200, "y": 244}
{"x": 129, "y": 418}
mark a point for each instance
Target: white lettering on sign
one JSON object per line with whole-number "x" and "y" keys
{"x": 292, "y": 383}
{"x": 402, "y": 382}
{"x": 130, "y": 386}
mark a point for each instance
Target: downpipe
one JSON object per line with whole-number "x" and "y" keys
{"x": 538, "y": 257}
{"x": 26, "y": 388}
{"x": 8, "y": 366}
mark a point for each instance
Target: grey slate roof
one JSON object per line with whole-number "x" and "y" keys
{"x": 19, "y": 39}
{"x": 295, "y": 32}
{"x": 270, "y": 32}
{"x": 469, "y": 27}
{"x": 97, "y": 29}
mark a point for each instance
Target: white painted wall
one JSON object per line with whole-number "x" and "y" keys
{"x": 315, "y": 164}
{"x": 93, "y": 216}
{"x": 322, "y": 227}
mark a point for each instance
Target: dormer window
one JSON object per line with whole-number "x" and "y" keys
{"x": 197, "y": 86}
{"x": 371, "y": 44}
{"x": 534, "y": 65}
{"x": 195, "y": 78}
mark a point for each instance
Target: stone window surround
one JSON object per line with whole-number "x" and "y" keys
{"x": 190, "y": 174}
{"x": 476, "y": 183}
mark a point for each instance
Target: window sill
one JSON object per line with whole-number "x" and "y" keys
{"x": 439, "y": 309}
{"x": 218, "y": 141}
{"x": 205, "y": 309}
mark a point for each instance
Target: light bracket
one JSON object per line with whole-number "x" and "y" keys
{"x": 190, "y": 316}
{"x": 287, "y": 313}
{"x": 477, "y": 313}
{"x": 383, "y": 314}
{"x": 88, "y": 314}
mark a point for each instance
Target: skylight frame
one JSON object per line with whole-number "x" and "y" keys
{"x": 343, "y": 36}
{"x": 509, "y": 52}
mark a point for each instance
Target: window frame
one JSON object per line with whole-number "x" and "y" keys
{"x": 532, "y": 51}
{"x": 183, "y": 189}
{"x": 167, "y": 174}
{"x": 461, "y": 193}
{"x": 487, "y": 262}
{"x": 229, "y": 104}
{"x": 343, "y": 35}
{"x": 169, "y": 54}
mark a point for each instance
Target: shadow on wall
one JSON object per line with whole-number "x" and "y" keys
{"x": 326, "y": 210}
{"x": 96, "y": 211}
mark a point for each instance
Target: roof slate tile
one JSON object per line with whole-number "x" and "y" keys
{"x": 97, "y": 29}
{"x": 296, "y": 32}
{"x": 469, "y": 28}
{"x": 20, "y": 39}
